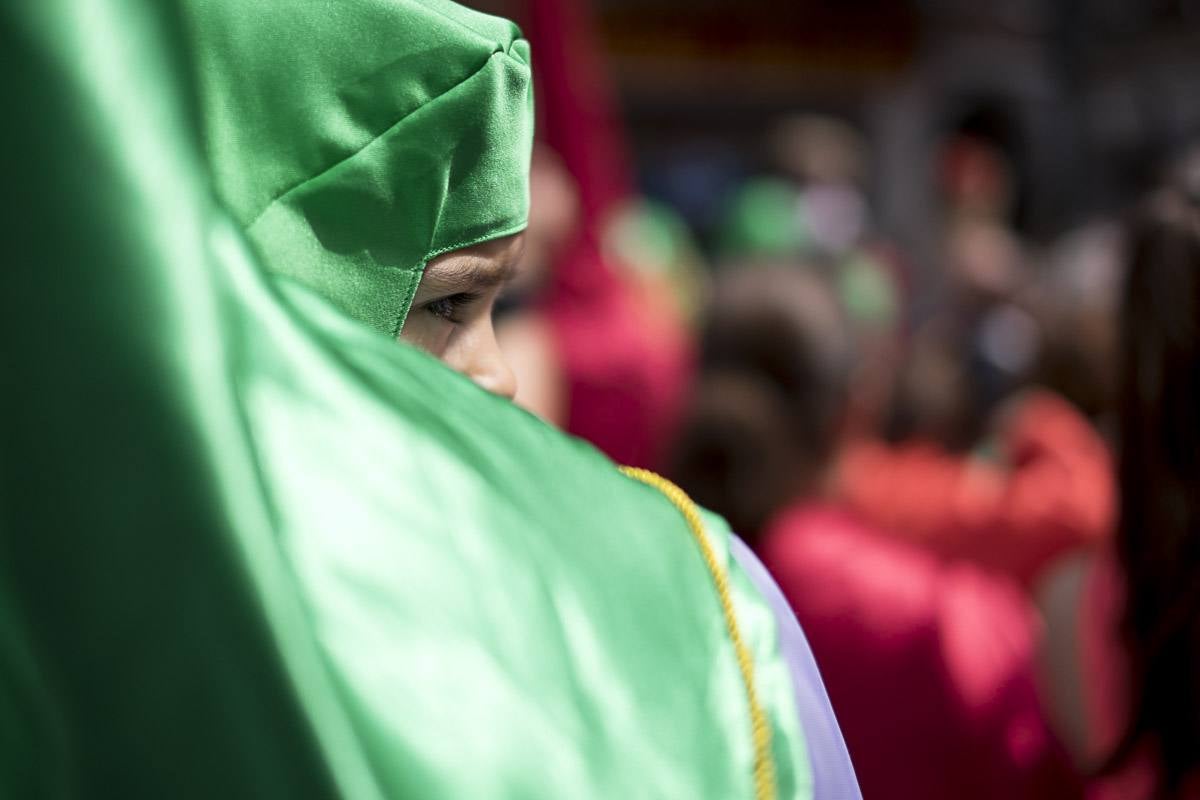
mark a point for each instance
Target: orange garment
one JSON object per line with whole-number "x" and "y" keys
{"x": 1051, "y": 492}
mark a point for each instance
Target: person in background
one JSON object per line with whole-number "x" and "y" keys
{"x": 624, "y": 354}
{"x": 1135, "y": 612}
{"x": 648, "y": 256}
{"x": 1076, "y": 298}
{"x": 989, "y": 450}
{"x": 946, "y": 441}
{"x": 930, "y": 665}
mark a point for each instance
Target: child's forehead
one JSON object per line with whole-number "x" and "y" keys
{"x": 478, "y": 266}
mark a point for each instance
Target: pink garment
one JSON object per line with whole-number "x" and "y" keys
{"x": 930, "y": 666}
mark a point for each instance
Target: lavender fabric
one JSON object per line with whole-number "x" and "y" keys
{"x": 833, "y": 774}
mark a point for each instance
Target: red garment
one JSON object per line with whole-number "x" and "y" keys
{"x": 929, "y": 665}
{"x": 624, "y": 356}
{"x": 1056, "y": 493}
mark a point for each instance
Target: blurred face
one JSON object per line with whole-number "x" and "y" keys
{"x": 451, "y": 316}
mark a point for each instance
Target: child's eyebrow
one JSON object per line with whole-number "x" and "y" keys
{"x": 469, "y": 273}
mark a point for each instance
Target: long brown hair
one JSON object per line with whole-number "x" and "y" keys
{"x": 1158, "y": 540}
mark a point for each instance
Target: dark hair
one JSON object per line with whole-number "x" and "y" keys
{"x": 765, "y": 410}
{"x": 1158, "y": 540}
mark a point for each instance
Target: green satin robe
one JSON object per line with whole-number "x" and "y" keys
{"x": 253, "y": 548}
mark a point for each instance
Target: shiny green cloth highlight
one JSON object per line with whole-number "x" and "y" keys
{"x": 356, "y": 141}
{"x": 253, "y": 549}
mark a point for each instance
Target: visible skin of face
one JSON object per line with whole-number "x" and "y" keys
{"x": 451, "y": 314}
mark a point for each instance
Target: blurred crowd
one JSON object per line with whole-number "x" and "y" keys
{"x": 930, "y": 448}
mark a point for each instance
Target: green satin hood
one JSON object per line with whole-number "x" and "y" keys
{"x": 354, "y": 142}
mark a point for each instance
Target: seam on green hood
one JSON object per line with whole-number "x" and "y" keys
{"x": 385, "y": 132}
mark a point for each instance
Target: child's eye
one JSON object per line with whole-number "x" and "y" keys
{"x": 449, "y": 308}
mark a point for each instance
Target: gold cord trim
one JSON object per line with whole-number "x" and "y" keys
{"x": 764, "y": 765}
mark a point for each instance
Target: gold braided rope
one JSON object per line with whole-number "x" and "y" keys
{"x": 764, "y": 765}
